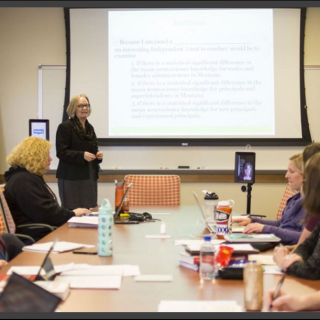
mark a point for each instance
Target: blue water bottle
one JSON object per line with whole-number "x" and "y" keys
{"x": 105, "y": 246}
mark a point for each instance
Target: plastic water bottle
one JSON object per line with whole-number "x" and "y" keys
{"x": 105, "y": 225}
{"x": 207, "y": 259}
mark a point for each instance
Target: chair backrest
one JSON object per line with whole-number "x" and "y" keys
{"x": 6, "y": 220}
{"x": 154, "y": 190}
{"x": 288, "y": 193}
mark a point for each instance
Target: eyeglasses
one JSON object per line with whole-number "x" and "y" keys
{"x": 81, "y": 106}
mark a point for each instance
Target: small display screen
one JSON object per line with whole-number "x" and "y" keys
{"x": 245, "y": 167}
{"x": 39, "y": 128}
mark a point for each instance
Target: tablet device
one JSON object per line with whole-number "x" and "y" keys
{"x": 245, "y": 167}
{"x": 21, "y": 295}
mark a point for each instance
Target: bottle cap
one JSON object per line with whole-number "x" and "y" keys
{"x": 211, "y": 196}
{"x": 224, "y": 204}
{"x": 207, "y": 237}
{"x": 105, "y": 207}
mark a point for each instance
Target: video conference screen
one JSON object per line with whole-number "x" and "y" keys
{"x": 245, "y": 167}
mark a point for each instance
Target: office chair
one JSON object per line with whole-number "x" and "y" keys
{"x": 7, "y": 224}
{"x": 153, "y": 190}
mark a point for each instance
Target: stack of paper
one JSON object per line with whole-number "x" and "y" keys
{"x": 84, "y": 222}
{"x": 199, "y": 306}
{"x": 237, "y": 248}
{"x": 187, "y": 242}
{"x": 61, "y": 246}
{"x": 262, "y": 259}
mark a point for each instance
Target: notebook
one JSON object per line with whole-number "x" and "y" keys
{"x": 123, "y": 220}
{"x": 211, "y": 226}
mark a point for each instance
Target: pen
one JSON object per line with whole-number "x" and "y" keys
{"x": 276, "y": 292}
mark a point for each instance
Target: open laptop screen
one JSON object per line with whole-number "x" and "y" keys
{"x": 47, "y": 266}
{"x": 117, "y": 213}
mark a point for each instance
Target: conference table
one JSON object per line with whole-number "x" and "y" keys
{"x": 154, "y": 257}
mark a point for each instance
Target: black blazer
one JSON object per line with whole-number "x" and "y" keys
{"x": 70, "y": 151}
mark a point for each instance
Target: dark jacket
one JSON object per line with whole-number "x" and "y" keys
{"x": 70, "y": 151}
{"x": 31, "y": 201}
{"x": 309, "y": 250}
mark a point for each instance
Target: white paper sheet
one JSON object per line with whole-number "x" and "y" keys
{"x": 92, "y": 282}
{"x": 109, "y": 270}
{"x": 61, "y": 246}
{"x": 272, "y": 270}
{"x": 84, "y": 222}
{"x": 26, "y": 271}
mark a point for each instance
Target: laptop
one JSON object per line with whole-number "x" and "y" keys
{"x": 21, "y": 295}
{"x": 211, "y": 226}
{"x": 123, "y": 220}
{"x": 47, "y": 266}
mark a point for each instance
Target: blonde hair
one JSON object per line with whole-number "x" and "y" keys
{"x": 31, "y": 154}
{"x": 73, "y": 105}
{"x": 297, "y": 160}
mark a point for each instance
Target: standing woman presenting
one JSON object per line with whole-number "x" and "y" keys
{"x": 77, "y": 150}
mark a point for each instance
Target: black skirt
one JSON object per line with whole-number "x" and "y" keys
{"x": 79, "y": 193}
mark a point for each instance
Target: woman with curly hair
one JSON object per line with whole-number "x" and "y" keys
{"x": 29, "y": 198}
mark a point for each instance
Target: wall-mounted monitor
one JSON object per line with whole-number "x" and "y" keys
{"x": 39, "y": 128}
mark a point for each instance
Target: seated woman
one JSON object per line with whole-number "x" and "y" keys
{"x": 10, "y": 247}
{"x": 305, "y": 260}
{"x": 289, "y": 227}
{"x": 29, "y": 198}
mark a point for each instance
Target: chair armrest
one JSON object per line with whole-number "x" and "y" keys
{"x": 36, "y": 226}
{"x": 25, "y": 237}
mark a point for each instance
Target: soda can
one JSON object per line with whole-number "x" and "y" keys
{"x": 253, "y": 286}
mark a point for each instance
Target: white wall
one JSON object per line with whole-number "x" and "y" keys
{"x": 31, "y": 37}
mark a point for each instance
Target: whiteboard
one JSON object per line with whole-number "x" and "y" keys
{"x": 215, "y": 158}
{"x": 51, "y": 90}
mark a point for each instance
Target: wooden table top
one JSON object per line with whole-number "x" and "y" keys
{"x": 154, "y": 256}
